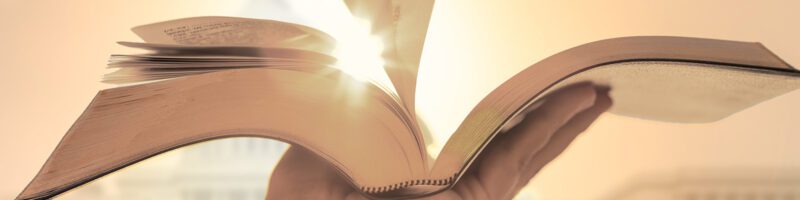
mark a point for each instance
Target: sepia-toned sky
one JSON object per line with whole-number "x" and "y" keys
{"x": 54, "y": 52}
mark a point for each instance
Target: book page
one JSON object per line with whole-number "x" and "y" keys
{"x": 403, "y": 25}
{"x": 356, "y": 128}
{"x": 673, "y": 79}
{"x": 234, "y": 31}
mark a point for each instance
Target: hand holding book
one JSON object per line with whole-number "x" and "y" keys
{"x": 353, "y": 137}
{"x": 507, "y": 165}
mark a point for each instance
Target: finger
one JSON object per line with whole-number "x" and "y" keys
{"x": 301, "y": 174}
{"x": 500, "y": 166}
{"x": 564, "y": 136}
{"x": 538, "y": 126}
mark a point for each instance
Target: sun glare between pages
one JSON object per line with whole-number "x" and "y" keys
{"x": 358, "y": 50}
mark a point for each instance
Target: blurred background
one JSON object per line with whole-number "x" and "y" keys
{"x": 54, "y": 52}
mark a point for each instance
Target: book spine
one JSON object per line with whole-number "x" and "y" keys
{"x": 405, "y": 184}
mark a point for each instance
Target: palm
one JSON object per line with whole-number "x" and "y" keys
{"x": 505, "y": 166}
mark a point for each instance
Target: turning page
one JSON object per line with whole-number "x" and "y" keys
{"x": 402, "y": 24}
{"x": 235, "y": 31}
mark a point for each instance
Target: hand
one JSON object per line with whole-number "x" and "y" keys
{"x": 505, "y": 166}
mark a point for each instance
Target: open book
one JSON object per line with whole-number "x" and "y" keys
{"x": 206, "y": 78}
